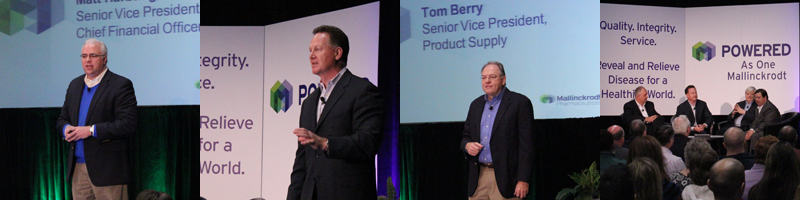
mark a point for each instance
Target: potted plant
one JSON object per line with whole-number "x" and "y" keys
{"x": 587, "y": 185}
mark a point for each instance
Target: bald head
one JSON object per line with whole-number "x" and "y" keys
{"x": 617, "y": 132}
{"x": 734, "y": 140}
{"x": 727, "y": 179}
{"x": 788, "y": 134}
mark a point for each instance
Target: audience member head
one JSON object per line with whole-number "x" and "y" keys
{"x": 153, "y": 195}
{"x": 665, "y": 136}
{"x": 699, "y": 157}
{"x": 641, "y": 95}
{"x": 647, "y": 146}
{"x": 749, "y": 94}
{"x": 762, "y": 146}
{"x": 618, "y": 134}
{"x": 616, "y": 183}
{"x": 637, "y": 127}
{"x": 727, "y": 179}
{"x": 607, "y": 144}
{"x": 780, "y": 180}
{"x": 734, "y": 141}
{"x": 647, "y": 178}
{"x": 761, "y": 96}
{"x": 681, "y": 125}
{"x": 788, "y": 134}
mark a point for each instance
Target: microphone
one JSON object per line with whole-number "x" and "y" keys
{"x": 490, "y": 107}
{"x": 322, "y": 99}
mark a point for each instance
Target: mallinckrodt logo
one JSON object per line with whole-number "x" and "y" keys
{"x": 546, "y": 98}
{"x": 281, "y": 96}
{"x": 703, "y": 51}
{"x": 34, "y": 16}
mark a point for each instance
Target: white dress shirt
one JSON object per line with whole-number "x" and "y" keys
{"x": 672, "y": 163}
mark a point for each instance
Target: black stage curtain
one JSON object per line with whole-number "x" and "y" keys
{"x": 164, "y": 151}
{"x": 434, "y": 167}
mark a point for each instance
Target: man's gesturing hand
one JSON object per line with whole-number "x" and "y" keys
{"x": 473, "y": 148}
{"x": 521, "y": 189}
{"x": 306, "y": 137}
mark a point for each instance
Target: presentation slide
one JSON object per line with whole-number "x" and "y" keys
{"x": 154, "y": 43}
{"x": 547, "y": 49}
{"x": 720, "y": 50}
{"x": 253, "y": 81}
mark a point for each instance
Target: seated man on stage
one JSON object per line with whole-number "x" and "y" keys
{"x": 695, "y": 110}
{"x": 742, "y": 115}
{"x": 642, "y": 109}
{"x": 766, "y": 113}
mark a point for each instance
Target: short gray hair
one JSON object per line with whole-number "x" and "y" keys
{"x": 500, "y": 67}
{"x": 750, "y": 89}
{"x": 638, "y": 90}
{"x": 680, "y": 124}
{"x": 103, "y": 49}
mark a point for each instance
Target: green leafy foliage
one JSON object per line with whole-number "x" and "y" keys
{"x": 587, "y": 185}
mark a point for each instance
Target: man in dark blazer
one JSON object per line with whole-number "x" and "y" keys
{"x": 681, "y": 128}
{"x": 341, "y": 126}
{"x": 97, "y": 119}
{"x": 743, "y": 113}
{"x": 499, "y": 139}
{"x": 766, "y": 114}
{"x": 642, "y": 109}
{"x": 695, "y": 110}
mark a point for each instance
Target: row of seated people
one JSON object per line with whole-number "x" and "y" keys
{"x": 752, "y": 115}
{"x": 650, "y": 168}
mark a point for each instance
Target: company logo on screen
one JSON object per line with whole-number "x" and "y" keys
{"x": 281, "y": 96}
{"x": 546, "y": 98}
{"x": 34, "y": 16}
{"x": 704, "y": 51}
{"x": 571, "y": 100}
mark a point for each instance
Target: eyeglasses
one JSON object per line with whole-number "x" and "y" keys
{"x": 93, "y": 56}
{"x": 491, "y": 77}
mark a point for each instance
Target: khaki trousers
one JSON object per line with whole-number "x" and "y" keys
{"x": 487, "y": 188}
{"x": 82, "y": 187}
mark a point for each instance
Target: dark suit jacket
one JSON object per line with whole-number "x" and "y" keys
{"x": 631, "y": 111}
{"x": 113, "y": 112}
{"x": 748, "y": 117}
{"x": 769, "y": 115}
{"x": 679, "y": 142}
{"x": 512, "y": 142}
{"x": 353, "y": 122}
{"x": 702, "y": 114}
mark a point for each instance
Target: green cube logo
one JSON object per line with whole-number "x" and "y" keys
{"x": 281, "y": 96}
{"x": 546, "y": 98}
{"x": 34, "y": 16}
{"x": 703, "y": 51}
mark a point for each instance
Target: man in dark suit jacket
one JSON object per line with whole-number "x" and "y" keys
{"x": 642, "y": 109}
{"x": 766, "y": 114}
{"x": 695, "y": 110}
{"x": 681, "y": 128}
{"x": 98, "y": 118}
{"x": 499, "y": 138}
{"x": 743, "y": 113}
{"x": 341, "y": 126}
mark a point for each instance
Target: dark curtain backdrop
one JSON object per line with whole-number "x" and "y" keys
{"x": 164, "y": 152}
{"x": 389, "y": 84}
{"x": 434, "y": 167}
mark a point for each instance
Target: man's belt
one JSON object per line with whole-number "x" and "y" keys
{"x": 487, "y": 165}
